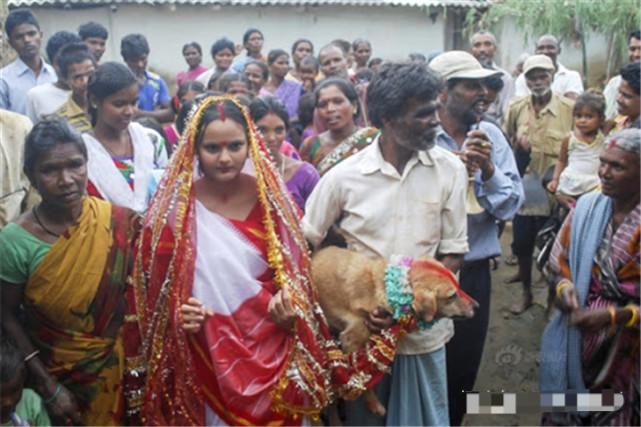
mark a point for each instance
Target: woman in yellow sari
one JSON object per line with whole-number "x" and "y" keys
{"x": 65, "y": 261}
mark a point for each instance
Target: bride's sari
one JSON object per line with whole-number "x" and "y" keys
{"x": 241, "y": 368}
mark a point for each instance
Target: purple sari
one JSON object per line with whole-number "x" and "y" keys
{"x": 288, "y": 93}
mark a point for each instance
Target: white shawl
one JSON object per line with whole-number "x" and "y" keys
{"x": 108, "y": 180}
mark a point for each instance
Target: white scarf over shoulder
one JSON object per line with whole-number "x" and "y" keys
{"x": 110, "y": 182}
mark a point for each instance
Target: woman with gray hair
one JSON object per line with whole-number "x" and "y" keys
{"x": 593, "y": 340}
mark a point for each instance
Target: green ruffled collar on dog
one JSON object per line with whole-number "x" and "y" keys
{"x": 399, "y": 290}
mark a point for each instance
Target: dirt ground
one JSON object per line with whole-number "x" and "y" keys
{"x": 511, "y": 350}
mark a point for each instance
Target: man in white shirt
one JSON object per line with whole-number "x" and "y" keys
{"x": 30, "y": 69}
{"x": 401, "y": 195}
{"x": 566, "y": 82}
{"x": 612, "y": 88}
{"x": 483, "y": 49}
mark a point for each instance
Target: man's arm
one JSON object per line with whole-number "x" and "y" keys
{"x": 322, "y": 209}
{"x": 573, "y": 85}
{"x": 453, "y": 244}
{"x": 452, "y": 262}
{"x": 163, "y": 113}
{"x": 4, "y": 95}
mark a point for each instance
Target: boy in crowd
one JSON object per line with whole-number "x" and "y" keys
{"x": 152, "y": 91}
{"x": 30, "y": 69}
{"x": 95, "y": 36}
{"x": 77, "y": 64}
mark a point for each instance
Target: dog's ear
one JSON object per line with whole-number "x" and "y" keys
{"x": 424, "y": 305}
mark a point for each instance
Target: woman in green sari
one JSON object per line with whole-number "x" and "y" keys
{"x": 65, "y": 261}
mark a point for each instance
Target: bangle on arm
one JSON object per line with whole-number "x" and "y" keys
{"x": 613, "y": 315}
{"x": 31, "y": 356}
{"x": 635, "y": 315}
{"x": 53, "y": 396}
{"x": 562, "y": 285}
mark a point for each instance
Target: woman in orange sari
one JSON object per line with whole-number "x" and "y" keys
{"x": 65, "y": 261}
{"x": 233, "y": 330}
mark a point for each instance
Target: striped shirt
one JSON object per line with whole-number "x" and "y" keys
{"x": 74, "y": 115}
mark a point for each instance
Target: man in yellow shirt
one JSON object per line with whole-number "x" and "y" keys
{"x": 536, "y": 124}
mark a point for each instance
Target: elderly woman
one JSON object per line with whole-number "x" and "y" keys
{"x": 65, "y": 261}
{"x": 593, "y": 340}
{"x": 337, "y": 107}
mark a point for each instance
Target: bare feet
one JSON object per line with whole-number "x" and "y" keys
{"x": 511, "y": 260}
{"x": 521, "y": 306}
{"x": 514, "y": 278}
{"x": 541, "y": 283}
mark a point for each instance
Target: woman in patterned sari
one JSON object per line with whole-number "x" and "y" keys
{"x": 233, "y": 331}
{"x": 337, "y": 105}
{"x": 593, "y": 340}
{"x": 65, "y": 261}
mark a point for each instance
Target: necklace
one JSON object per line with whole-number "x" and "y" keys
{"x": 35, "y": 214}
{"x": 282, "y": 168}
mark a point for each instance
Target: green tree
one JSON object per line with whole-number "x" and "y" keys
{"x": 567, "y": 19}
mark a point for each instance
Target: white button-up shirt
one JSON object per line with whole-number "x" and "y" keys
{"x": 15, "y": 81}
{"x": 419, "y": 212}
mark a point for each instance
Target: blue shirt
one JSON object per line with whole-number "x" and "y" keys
{"x": 500, "y": 196}
{"x": 154, "y": 92}
{"x": 15, "y": 81}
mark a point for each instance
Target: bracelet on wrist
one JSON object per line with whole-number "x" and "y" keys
{"x": 31, "y": 356}
{"x": 562, "y": 285}
{"x": 635, "y": 315}
{"x": 54, "y": 395}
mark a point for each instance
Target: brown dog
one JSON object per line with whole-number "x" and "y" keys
{"x": 351, "y": 285}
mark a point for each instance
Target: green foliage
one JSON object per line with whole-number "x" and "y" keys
{"x": 570, "y": 20}
{"x": 564, "y": 18}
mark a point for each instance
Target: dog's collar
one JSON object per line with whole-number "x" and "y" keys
{"x": 398, "y": 287}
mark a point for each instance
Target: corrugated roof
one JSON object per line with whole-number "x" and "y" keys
{"x": 406, "y": 3}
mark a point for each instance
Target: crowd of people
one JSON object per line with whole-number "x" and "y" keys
{"x": 155, "y": 250}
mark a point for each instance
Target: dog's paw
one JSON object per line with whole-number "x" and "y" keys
{"x": 347, "y": 342}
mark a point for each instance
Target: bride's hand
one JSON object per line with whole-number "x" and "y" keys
{"x": 281, "y": 310}
{"x": 194, "y": 315}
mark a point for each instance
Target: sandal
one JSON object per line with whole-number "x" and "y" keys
{"x": 511, "y": 260}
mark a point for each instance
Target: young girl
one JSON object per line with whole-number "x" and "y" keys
{"x": 270, "y": 117}
{"x": 122, "y": 156}
{"x": 580, "y": 151}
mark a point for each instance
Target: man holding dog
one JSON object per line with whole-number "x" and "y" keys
{"x": 497, "y": 189}
{"x": 379, "y": 195}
